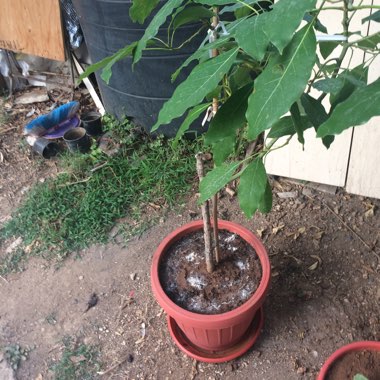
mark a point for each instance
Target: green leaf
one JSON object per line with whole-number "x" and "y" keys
{"x": 360, "y": 107}
{"x": 317, "y": 115}
{"x": 359, "y": 376}
{"x": 222, "y": 149}
{"x": 216, "y": 180}
{"x": 327, "y": 47}
{"x": 121, "y": 54}
{"x": 373, "y": 17}
{"x": 240, "y": 77}
{"x": 193, "y": 114}
{"x": 297, "y": 122}
{"x": 203, "y": 52}
{"x": 281, "y": 83}
{"x": 329, "y": 85}
{"x": 251, "y": 37}
{"x": 141, "y": 9}
{"x": 369, "y": 42}
{"x": 318, "y": 25}
{"x": 203, "y": 79}
{"x": 266, "y": 202}
{"x": 284, "y": 20}
{"x": 214, "y": 2}
{"x": 191, "y": 14}
{"x": 253, "y": 183}
{"x": 108, "y": 62}
{"x": 357, "y": 77}
{"x": 285, "y": 127}
{"x": 233, "y": 8}
{"x": 155, "y": 24}
{"x": 230, "y": 117}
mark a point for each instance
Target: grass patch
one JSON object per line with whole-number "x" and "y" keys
{"x": 80, "y": 205}
{"x": 77, "y": 362}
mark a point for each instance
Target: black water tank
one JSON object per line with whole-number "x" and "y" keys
{"x": 139, "y": 94}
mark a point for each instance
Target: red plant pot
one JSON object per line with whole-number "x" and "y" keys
{"x": 356, "y": 346}
{"x": 216, "y": 332}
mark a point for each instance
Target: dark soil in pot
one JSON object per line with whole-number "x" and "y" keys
{"x": 364, "y": 362}
{"x": 185, "y": 280}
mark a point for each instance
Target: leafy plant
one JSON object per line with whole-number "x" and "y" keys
{"x": 266, "y": 65}
{"x": 15, "y": 354}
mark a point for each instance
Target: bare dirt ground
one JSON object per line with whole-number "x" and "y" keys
{"x": 325, "y": 289}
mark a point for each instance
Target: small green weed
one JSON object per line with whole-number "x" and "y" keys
{"x": 12, "y": 262}
{"x": 51, "y": 319}
{"x": 80, "y": 205}
{"x": 77, "y": 362}
{"x": 15, "y": 354}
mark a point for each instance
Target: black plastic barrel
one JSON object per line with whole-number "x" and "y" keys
{"x": 137, "y": 94}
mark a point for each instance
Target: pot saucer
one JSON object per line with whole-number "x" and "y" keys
{"x": 234, "y": 352}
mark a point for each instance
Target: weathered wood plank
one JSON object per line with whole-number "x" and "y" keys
{"x": 32, "y": 27}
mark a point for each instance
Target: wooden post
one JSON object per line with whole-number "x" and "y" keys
{"x": 206, "y": 218}
{"x": 215, "y": 105}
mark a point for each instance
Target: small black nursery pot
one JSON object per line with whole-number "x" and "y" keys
{"x": 46, "y": 148}
{"x": 92, "y": 123}
{"x": 77, "y": 140}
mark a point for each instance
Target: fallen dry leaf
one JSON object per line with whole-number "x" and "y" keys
{"x": 317, "y": 258}
{"x": 278, "y": 228}
{"x": 370, "y": 213}
{"x": 260, "y": 232}
{"x": 314, "y": 266}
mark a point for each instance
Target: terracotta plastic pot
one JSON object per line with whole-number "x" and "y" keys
{"x": 356, "y": 346}
{"x": 217, "y": 332}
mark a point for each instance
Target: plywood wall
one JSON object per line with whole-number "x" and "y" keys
{"x": 32, "y": 27}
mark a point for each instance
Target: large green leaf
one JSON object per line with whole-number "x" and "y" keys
{"x": 251, "y": 37}
{"x": 360, "y": 107}
{"x": 281, "y": 83}
{"x": 121, "y": 54}
{"x": 230, "y": 117}
{"x": 285, "y": 127}
{"x": 191, "y": 14}
{"x": 317, "y": 115}
{"x": 153, "y": 27}
{"x": 222, "y": 149}
{"x": 253, "y": 183}
{"x": 265, "y": 204}
{"x": 193, "y": 114}
{"x": 284, "y": 20}
{"x": 141, "y": 9}
{"x": 202, "y": 80}
{"x": 216, "y": 180}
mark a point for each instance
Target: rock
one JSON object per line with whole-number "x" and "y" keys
{"x": 6, "y": 372}
{"x": 288, "y": 194}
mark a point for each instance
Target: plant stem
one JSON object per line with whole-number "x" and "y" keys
{"x": 215, "y": 105}
{"x": 339, "y": 61}
{"x": 206, "y": 218}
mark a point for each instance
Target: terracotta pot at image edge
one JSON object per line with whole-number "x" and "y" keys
{"x": 356, "y": 346}
{"x": 218, "y": 331}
